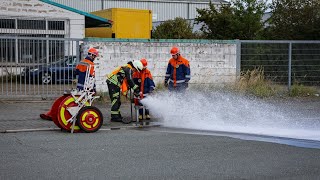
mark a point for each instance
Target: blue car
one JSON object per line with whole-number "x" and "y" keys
{"x": 61, "y": 71}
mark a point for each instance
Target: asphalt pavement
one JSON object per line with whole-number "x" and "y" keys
{"x": 18, "y": 116}
{"x": 144, "y": 154}
{"x": 148, "y": 153}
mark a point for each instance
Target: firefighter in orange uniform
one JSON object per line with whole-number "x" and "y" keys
{"x": 145, "y": 82}
{"x": 178, "y": 72}
{"x": 81, "y": 68}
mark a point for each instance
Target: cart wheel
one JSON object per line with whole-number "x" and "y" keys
{"x": 54, "y": 110}
{"x": 64, "y": 114}
{"x": 89, "y": 119}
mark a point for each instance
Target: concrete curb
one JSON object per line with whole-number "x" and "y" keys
{"x": 29, "y": 130}
{"x": 58, "y": 129}
{"x": 128, "y": 127}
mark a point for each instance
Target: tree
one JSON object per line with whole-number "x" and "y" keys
{"x": 178, "y": 28}
{"x": 239, "y": 20}
{"x": 294, "y": 20}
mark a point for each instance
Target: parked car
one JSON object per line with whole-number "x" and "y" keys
{"x": 60, "y": 71}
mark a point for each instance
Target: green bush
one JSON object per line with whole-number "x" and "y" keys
{"x": 178, "y": 28}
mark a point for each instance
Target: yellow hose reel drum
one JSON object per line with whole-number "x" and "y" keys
{"x": 88, "y": 119}
{"x": 64, "y": 114}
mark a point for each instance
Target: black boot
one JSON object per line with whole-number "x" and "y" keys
{"x": 147, "y": 114}
{"x": 116, "y": 118}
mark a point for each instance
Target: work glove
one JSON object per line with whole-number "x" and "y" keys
{"x": 136, "y": 92}
{"x": 165, "y": 83}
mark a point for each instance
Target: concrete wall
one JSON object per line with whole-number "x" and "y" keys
{"x": 211, "y": 63}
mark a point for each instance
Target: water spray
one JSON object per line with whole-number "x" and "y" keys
{"x": 227, "y": 112}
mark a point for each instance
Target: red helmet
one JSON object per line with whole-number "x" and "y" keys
{"x": 144, "y": 62}
{"x": 174, "y": 51}
{"x": 93, "y": 51}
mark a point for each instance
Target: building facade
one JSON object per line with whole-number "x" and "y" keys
{"x": 36, "y": 19}
{"x": 162, "y": 9}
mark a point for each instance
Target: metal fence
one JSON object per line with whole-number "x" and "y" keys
{"x": 284, "y": 62}
{"x": 37, "y": 67}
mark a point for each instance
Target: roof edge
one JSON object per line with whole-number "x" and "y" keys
{"x": 78, "y": 12}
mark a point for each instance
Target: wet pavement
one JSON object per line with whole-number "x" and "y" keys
{"x": 156, "y": 153}
{"x": 18, "y": 116}
{"x": 23, "y": 116}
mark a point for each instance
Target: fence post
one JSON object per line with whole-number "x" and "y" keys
{"x": 78, "y": 51}
{"x": 289, "y": 66}
{"x": 16, "y": 50}
{"x": 47, "y": 50}
{"x": 238, "y": 58}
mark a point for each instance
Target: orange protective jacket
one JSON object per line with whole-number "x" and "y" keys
{"x": 81, "y": 70}
{"x": 144, "y": 81}
{"x": 178, "y": 71}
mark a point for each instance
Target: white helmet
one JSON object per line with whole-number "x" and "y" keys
{"x": 137, "y": 65}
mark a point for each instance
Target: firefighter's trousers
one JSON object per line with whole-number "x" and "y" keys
{"x": 114, "y": 93}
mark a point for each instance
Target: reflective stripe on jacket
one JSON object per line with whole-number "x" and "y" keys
{"x": 122, "y": 77}
{"x": 81, "y": 70}
{"x": 178, "y": 71}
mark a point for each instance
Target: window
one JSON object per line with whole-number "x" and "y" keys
{"x": 7, "y": 24}
{"x": 56, "y": 25}
{"x": 32, "y": 24}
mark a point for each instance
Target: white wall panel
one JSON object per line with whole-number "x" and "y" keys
{"x": 82, "y": 5}
{"x": 193, "y": 9}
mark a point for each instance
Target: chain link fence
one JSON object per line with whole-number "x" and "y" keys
{"x": 284, "y": 62}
